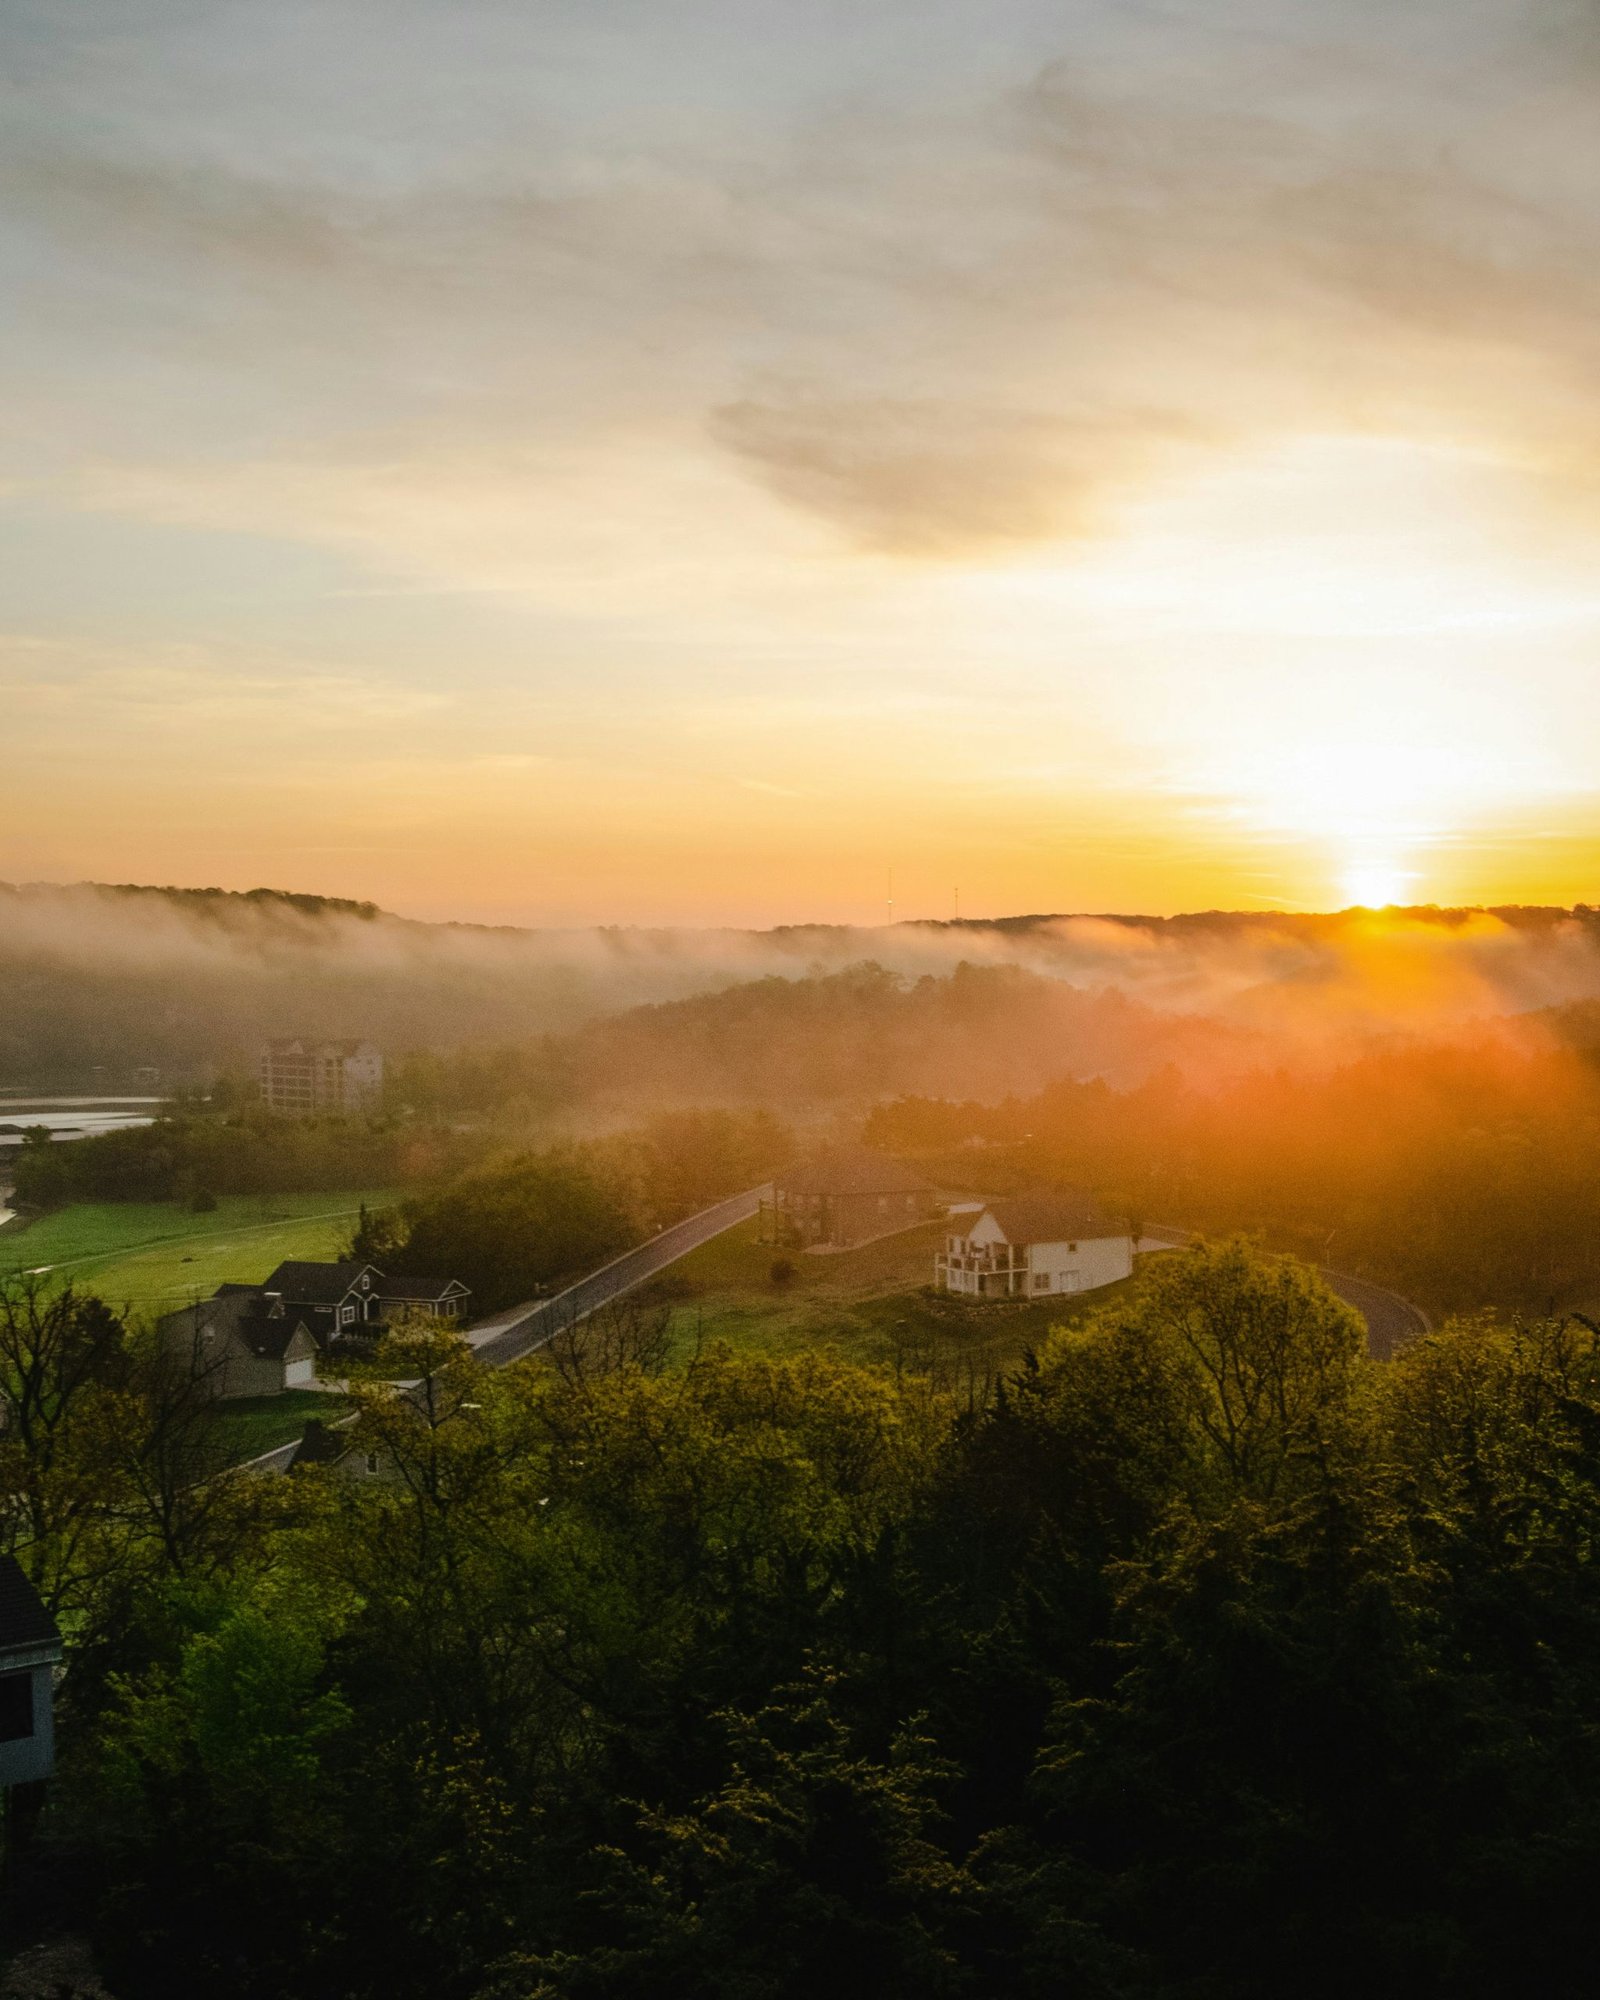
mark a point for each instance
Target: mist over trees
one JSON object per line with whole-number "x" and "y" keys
{"x": 1461, "y": 1168}
{"x": 830, "y": 1038}
{"x": 1464, "y": 1174}
{"x": 101, "y": 981}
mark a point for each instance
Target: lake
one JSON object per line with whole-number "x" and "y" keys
{"x": 73, "y": 1117}
{"x": 66, "y": 1118}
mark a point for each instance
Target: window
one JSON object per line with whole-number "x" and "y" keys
{"x": 1073, "y": 1248}
{"x": 1041, "y": 1281}
{"x": 16, "y": 1707}
{"x": 346, "y": 1315}
{"x": 372, "y": 1461}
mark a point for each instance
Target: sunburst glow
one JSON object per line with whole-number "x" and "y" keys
{"x": 1376, "y": 885}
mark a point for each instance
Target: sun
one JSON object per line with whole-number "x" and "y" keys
{"x": 1375, "y": 885}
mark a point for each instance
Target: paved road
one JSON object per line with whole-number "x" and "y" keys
{"x": 1391, "y": 1320}
{"x": 511, "y": 1335}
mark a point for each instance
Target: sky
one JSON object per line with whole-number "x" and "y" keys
{"x": 676, "y": 461}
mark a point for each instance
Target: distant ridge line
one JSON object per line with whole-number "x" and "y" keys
{"x": 306, "y": 903}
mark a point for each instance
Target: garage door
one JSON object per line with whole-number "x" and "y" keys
{"x": 298, "y": 1373}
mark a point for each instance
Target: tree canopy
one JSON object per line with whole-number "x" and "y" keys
{"x": 1208, "y": 1658}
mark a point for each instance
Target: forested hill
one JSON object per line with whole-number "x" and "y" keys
{"x": 985, "y": 1032}
{"x": 100, "y": 980}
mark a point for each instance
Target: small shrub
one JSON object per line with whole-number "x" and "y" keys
{"x": 783, "y": 1273}
{"x": 202, "y": 1201}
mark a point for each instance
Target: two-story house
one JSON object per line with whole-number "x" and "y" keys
{"x": 1024, "y": 1246}
{"x": 257, "y": 1340}
{"x": 242, "y": 1344}
{"x": 848, "y": 1194}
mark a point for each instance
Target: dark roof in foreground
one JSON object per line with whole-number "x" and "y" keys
{"x": 315, "y": 1284}
{"x": 1049, "y": 1216}
{"x": 23, "y": 1619}
{"x": 851, "y": 1170}
{"x": 319, "y": 1446}
{"x": 241, "y": 1310}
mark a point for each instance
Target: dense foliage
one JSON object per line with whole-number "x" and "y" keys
{"x": 244, "y": 1153}
{"x": 1208, "y": 1659}
{"x": 518, "y": 1223}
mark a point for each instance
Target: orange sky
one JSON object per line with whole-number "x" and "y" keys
{"x": 711, "y": 464}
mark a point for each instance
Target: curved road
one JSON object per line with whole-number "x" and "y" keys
{"x": 1391, "y": 1320}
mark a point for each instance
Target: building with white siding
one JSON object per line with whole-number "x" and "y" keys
{"x": 30, "y": 1651}
{"x": 1027, "y": 1246}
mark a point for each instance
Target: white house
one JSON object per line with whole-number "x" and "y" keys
{"x": 30, "y": 1650}
{"x": 1024, "y": 1246}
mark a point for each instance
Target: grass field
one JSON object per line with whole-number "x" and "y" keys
{"x": 153, "y": 1256}
{"x": 869, "y": 1305}
{"x": 254, "y": 1424}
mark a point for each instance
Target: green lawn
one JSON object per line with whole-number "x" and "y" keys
{"x": 870, "y": 1305}
{"x": 153, "y": 1256}
{"x": 254, "y": 1424}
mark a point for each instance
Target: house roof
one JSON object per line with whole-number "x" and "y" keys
{"x": 316, "y": 1284}
{"x": 271, "y": 1339}
{"x": 1048, "y": 1216}
{"x": 241, "y": 1310}
{"x": 419, "y": 1288}
{"x": 851, "y": 1170}
{"x": 319, "y": 1446}
{"x": 24, "y": 1621}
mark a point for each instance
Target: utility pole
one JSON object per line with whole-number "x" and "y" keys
{"x": 891, "y": 898}
{"x": 958, "y": 902}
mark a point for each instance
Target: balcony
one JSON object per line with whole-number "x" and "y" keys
{"x": 997, "y": 1273}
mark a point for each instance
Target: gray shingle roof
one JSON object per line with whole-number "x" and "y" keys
{"x": 418, "y": 1288}
{"x": 1049, "y": 1216}
{"x": 23, "y": 1619}
{"x": 319, "y": 1445}
{"x": 241, "y": 1310}
{"x": 316, "y": 1284}
{"x": 851, "y": 1170}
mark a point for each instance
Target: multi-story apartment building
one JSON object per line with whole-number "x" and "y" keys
{"x": 300, "y": 1076}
